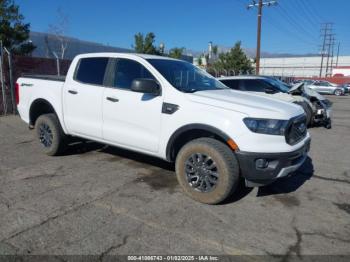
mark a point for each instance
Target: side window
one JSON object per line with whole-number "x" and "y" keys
{"x": 233, "y": 84}
{"x": 91, "y": 70}
{"x": 128, "y": 70}
{"x": 254, "y": 85}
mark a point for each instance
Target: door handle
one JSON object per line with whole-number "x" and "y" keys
{"x": 112, "y": 99}
{"x": 73, "y": 92}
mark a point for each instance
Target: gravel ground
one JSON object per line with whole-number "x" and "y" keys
{"x": 101, "y": 201}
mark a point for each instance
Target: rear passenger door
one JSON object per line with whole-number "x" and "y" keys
{"x": 83, "y": 97}
{"x": 321, "y": 87}
{"x": 131, "y": 119}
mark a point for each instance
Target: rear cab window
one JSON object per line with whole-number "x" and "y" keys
{"x": 91, "y": 70}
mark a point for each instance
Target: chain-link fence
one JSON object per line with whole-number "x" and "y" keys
{"x": 12, "y": 67}
{"x": 226, "y": 72}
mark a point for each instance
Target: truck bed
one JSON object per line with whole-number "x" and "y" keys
{"x": 46, "y": 77}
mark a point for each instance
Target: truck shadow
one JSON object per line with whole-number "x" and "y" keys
{"x": 84, "y": 147}
{"x": 282, "y": 186}
{"x": 290, "y": 183}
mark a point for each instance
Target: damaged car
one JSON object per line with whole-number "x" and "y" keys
{"x": 317, "y": 108}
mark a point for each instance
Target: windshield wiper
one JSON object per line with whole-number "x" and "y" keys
{"x": 190, "y": 91}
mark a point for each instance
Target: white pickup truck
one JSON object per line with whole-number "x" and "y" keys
{"x": 169, "y": 109}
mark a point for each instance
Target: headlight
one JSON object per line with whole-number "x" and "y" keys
{"x": 266, "y": 126}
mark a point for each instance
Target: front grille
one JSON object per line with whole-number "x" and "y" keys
{"x": 296, "y": 130}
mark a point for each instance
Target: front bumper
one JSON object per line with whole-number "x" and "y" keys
{"x": 323, "y": 113}
{"x": 278, "y": 165}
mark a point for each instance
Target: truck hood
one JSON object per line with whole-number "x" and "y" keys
{"x": 279, "y": 95}
{"x": 249, "y": 104}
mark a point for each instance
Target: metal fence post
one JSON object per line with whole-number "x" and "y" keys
{"x": 4, "y": 102}
{"x": 9, "y": 57}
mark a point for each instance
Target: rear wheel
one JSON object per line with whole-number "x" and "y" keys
{"x": 338, "y": 92}
{"x": 207, "y": 170}
{"x": 50, "y": 134}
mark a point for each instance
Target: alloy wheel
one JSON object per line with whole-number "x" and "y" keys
{"x": 201, "y": 172}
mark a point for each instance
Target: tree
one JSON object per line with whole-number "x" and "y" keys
{"x": 215, "y": 50}
{"x": 176, "y": 52}
{"x": 235, "y": 59}
{"x": 14, "y": 34}
{"x": 59, "y": 30}
{"x": 145, "y": 45}
{"x": 200, "y": 63}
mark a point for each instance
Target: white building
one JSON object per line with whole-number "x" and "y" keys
{"x": 301, "y": 66}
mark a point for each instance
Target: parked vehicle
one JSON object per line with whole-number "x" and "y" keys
{"x": 169, "y": 109}
{"x": 305, "y": 81}
{"x": 317, "y": 108}
{"x": 325, "y": 87}
{"x": 346, "y": 87}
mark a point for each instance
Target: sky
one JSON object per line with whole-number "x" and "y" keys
{"x": 293, "y": 26}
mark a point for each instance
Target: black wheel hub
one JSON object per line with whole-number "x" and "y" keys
{"x": 201, "y": 172}
{"x": 45, "y": 135}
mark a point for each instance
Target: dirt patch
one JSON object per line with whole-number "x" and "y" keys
{"x": 159, "y": 180}
{"x": 288, "y": 201}
{"x": 345, "y": 207}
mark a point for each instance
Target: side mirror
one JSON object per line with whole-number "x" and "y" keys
{"x": 146, "y": 86}
{"x": 270, "y": 91}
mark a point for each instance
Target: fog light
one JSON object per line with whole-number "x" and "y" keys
{"x": 261, "y": 163}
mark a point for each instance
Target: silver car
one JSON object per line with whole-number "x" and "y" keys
{"x": 325, "y": 87}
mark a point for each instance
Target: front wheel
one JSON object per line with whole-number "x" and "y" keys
{"x": 207, "y": 170}
{"x": 50, "y": 134}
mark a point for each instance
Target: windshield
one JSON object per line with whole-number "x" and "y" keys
{"x": 185, "y": 76}
{"x": 282, "y": 87}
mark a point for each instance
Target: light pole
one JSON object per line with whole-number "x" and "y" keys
{"x": 161, "y": 48}
{"x": 210, "y": 49}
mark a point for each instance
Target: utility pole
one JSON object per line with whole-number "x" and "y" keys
{"x": 328, "y": 39}
{"x": 332, "y": 55}
{"x": 336, "y": 64}
{"x": 260, "y": 6}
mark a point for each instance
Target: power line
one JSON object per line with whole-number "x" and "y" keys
{"x": 304, "y": 8}
{"x": 289, "y": 33}
{"x": 294, "y": 23}
{"x": 313, "y": 10}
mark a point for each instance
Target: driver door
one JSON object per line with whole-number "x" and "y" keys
{"x": 131, "y": 119}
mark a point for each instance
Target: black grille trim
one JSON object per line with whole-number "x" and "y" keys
{"x": 293, "y": 133}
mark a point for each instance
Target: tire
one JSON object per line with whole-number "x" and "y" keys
{"x": 50, "y": 134}
{"x": 308, "y": 113}
{"x": 226, "y": 176}
{"x": 338, "y": 92}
